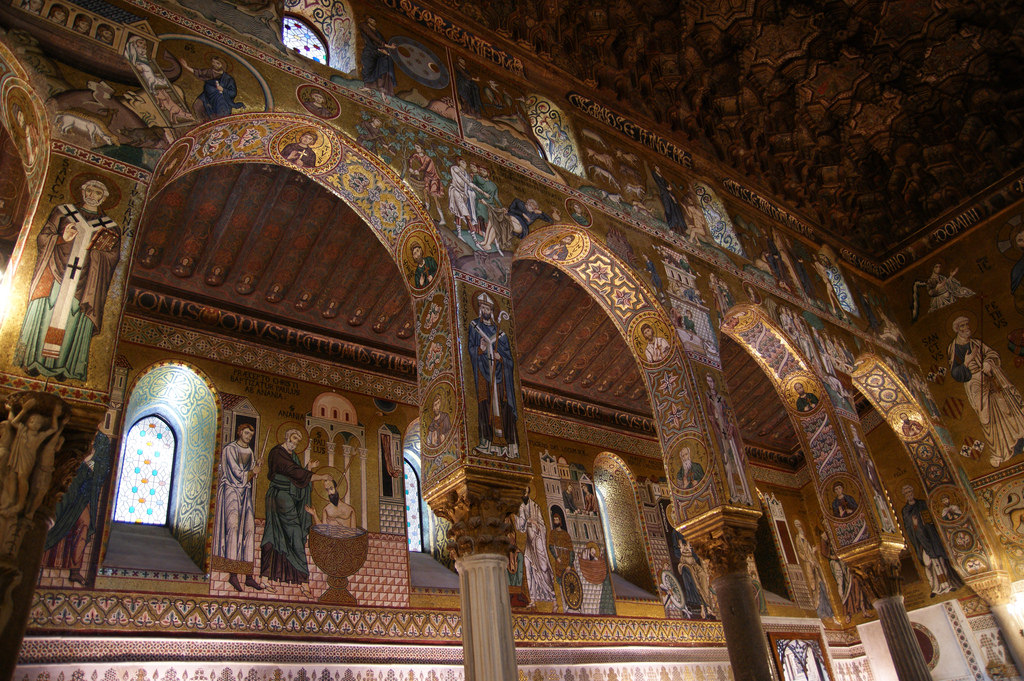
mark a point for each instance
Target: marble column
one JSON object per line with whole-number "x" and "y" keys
{"x": 480, "y": 507}
{"x": 904, "y": 650}
{"x": 993, "y": 587}
{"x": 65, "y": 435}
{"x": 488, "y": 646}
{"x": 1013, "y": 634}
{"x": 725, "y": 551}
{"x": 880, "y": 572}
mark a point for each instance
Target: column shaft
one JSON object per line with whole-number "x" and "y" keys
{"x": 745, "y": 639}
{"x": 900, "y": 638}
{"x": 1010, "y": 628}
{"x": 489, "y": 649}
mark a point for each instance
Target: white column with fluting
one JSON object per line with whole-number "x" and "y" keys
{"x": 362, "y": 484}
{"x": 1012, "y": 633}
{"x": 488, "y": 646}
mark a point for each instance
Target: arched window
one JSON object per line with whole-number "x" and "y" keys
{"x": 179, "y": 402}
{"x": 413, "y": 519}
{"x": 147, "y": 470}
{"x": 621, "y": 510}
{"x": 719, "y": 224}
{"x": 333, "y": 21}
{"x": 609, "y": 542}
{"x": 554, "y": 133}
{"x": 303, "y": 38}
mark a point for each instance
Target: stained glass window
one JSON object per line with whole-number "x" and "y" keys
{"x": 298, "y": 35}
{"x": 412, "y": 508}
{"x": 144, "y": 483}
{"x": 719, "y": 224}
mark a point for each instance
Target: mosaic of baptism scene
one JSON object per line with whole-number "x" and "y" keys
{"x": 434, "y": 340}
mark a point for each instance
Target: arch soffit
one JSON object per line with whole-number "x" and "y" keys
{"x": 146, "y": 374}
{"x": 631, "y": 305}
{"x": 356, "y": 176}
{"x": 22, "y": 111}
{"x": 970, "y": 547}
{"x": 199, "y": 461}
{"x": 189, "y": 438}
{"x": 627, "y": 301}
{"x": 611, "y": 462}
{"x": 817, "y": 425}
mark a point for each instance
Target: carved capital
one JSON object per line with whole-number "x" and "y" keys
{"x": 880, "y": 575}
{"x": 30, "y": 437}
{"x": 992, "y": 587}
{"x": 479, "y": 510}
{"x": 725, "y": 549}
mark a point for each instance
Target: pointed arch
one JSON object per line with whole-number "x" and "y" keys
{"x": 622, "y": 514}
{"x": 857, "y": 526}
{"x": 647, "y": 329}
{"x": 372, "y": 190}
{"x": 24, "y": 117}
{"x": 972, "y": 551}
{"x": 187, "y": 399}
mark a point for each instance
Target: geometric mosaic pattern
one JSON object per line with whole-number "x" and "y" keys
{"x": 146, "y": 465}
{"x": 172, "y": 659}
{"x": 97, "y": 612}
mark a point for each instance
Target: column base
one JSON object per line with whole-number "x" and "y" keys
{"x": 489, "y": 650}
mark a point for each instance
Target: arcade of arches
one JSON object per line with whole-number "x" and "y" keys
{"x": 427, "y": 359}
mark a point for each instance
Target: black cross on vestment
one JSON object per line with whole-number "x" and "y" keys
{"x": 74, "y": 267}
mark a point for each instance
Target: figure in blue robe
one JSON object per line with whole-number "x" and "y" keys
{"x": 217, "y": 99}
{"x": 490, "y": 354}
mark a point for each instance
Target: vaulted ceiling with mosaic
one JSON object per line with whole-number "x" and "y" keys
{"x": 873, "y": 119}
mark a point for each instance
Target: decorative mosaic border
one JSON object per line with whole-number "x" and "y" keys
{"x": 344, "y": 671}
{"x": 103, "y": 612}
{"x": 107, "y": 163}
{"x": 45, "y": 650}
{"x": 67, "y": 392}
{"x": 128, "y": 573}
{"x": 545, "y": 424}
{"x": 774, "y": 476}
{"x": 956, "y": 618}
{"x": 218, "y": 348}
{"x": 997, "y": 476}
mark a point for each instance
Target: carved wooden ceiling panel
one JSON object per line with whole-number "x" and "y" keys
{"x": 764, "y": 421}
{"x": 872, "y": 117}
{"x": 568, "y": 345}
{"x": 266, "y": 241}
